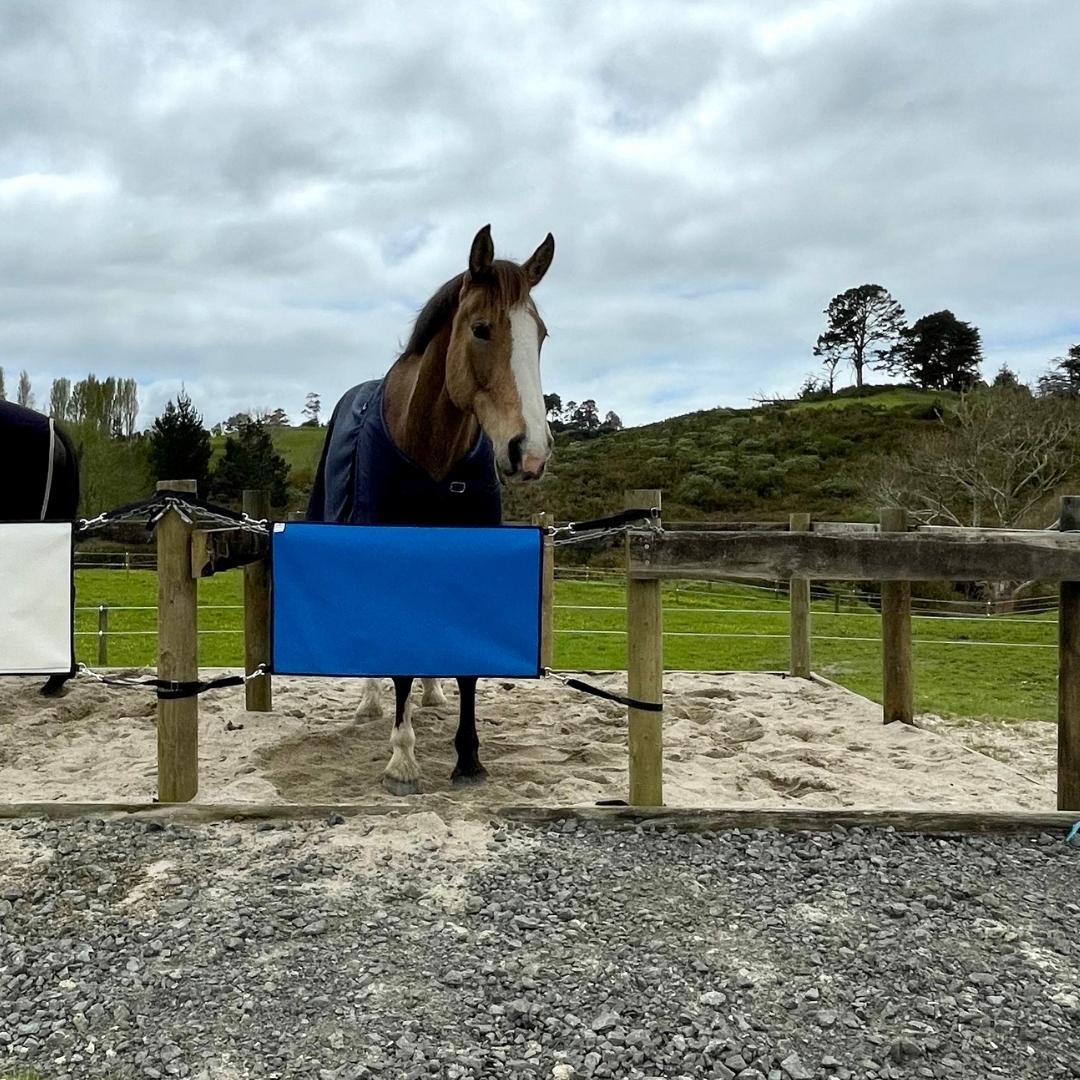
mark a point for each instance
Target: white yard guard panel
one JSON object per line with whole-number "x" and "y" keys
{"x": 35, "y": 598}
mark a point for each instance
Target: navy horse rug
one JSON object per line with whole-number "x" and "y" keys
{"x": 364, "y": 479}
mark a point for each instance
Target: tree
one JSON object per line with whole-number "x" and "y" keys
{"x": 179, "y": 444}
{"x": 312, "y": 408}
{"x": 277, "y": 418}
{"x": 25, "y": 393}
{"x": 60, "y": 399}
{"x": 993, "y": 459}
{"x": 1007, "y": 378}
{"x": 585, "y": 417}
{"x": 860, "y": 319}
{"x": 1063, "y": 378}
{"x": 3, "y": 392}
{"x": 938, "y": 353}
{"x": 611, "y": 423}
{"x": 250, "y": 461}
{"x": 553, "y": 406}
{"x": 127, "y": 406}
{"x": 235, "y": 422}
{"x": 831, "y": 360}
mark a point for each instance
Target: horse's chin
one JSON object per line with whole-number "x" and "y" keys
{"x": 516, "y": 479}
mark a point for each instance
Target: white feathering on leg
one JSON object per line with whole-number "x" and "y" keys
{"x": 403, "y": 765}
{"x": 433, "y": 693}
{"x": 370, "y": 702}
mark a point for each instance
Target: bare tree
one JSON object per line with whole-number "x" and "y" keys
{"x": 994, "y": 459}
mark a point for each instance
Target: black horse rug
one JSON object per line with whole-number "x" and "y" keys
{"x": 364, "y": 479}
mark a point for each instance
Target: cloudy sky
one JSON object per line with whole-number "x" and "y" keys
{"x": 255, "y": 199}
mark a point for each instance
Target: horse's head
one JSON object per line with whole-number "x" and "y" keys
{"x": 493, "y": 360}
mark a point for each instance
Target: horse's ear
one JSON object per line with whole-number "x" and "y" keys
{"x": 482, "y": 255}
{"x": 539, "y": 261}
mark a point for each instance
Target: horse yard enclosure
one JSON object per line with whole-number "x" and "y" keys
{"x": 804, "y": 552}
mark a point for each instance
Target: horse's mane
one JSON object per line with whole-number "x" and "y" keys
{"x": 507, "y": 284}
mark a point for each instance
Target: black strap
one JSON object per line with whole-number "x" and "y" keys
{"x": 170, "y": 690}
{"x": 624, "y": 518}
{"x": 586, "y": 688}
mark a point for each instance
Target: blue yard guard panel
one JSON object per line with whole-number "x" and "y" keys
{"x": 379, "y": 600}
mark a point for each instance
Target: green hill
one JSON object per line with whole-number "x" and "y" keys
{"x": 715, "y": 464}
{"x": 719, "y": 464}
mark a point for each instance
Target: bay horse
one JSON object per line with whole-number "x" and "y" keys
{"x": 460, "y": 411}
{"x": 40, "y": 480}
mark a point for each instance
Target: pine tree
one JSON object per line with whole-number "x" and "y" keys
{"x": 312, "y": 409}
{"x": 179, "y": 444}
{"x": 939, "y": 353}
{"x": 1006, "y": 379}
{"x": 860, "y": 319}
{"x": 250, "y": 461}
{"x": 1063, "y": 378}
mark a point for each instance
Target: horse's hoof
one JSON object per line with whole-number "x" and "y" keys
{"x": 55, "y": 687}
{"x": 433, "y": 697}
{"x": 469, "y": 779}
{"x": 401, "y": 787}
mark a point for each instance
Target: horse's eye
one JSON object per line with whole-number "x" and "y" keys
{"x": 482, "y": 331}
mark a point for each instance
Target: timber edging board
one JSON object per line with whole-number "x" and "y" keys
{"x": 684, "y": 819}
{"x": 913, "y": 556}
{"x": 960, "y": 823}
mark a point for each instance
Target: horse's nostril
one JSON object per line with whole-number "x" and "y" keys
{"x": 514, "y": 452}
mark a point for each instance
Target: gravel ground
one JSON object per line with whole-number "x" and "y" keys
{"x": 407, "y": 948}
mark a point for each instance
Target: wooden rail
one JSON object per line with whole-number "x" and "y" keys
{"x": 913, "y": 556}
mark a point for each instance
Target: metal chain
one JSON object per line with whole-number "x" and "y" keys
{"x": 137, "y": 681}
{"x": 152, "y": 513}
{"x": 570, "y": 537}
{"x": 566, "y": 535}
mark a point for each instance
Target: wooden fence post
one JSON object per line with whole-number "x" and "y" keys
{"x": 1068, "y": 775}
{"x": 799, "y": 596}
{"x": 645, "y": 674}
{"x": 258, "y": 693}
{"x": 178, "y": 653}
{"x": 898, "y": 693}
{"x": 103, "y": 635}
{"x": 547, "y": 597}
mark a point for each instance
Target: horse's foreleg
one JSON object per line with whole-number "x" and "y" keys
{"x": 370, "y": 703}
{"x": 468, "y": 769}
{"x": 402, "y": 775}
{"x": 433, "y": 692}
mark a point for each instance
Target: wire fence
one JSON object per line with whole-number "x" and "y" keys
{"x": 105, "y": 632}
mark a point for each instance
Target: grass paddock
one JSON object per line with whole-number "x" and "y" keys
{"x": 994, "y": 667}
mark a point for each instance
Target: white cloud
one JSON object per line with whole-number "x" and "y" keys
{"x": 255, "y": 200}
